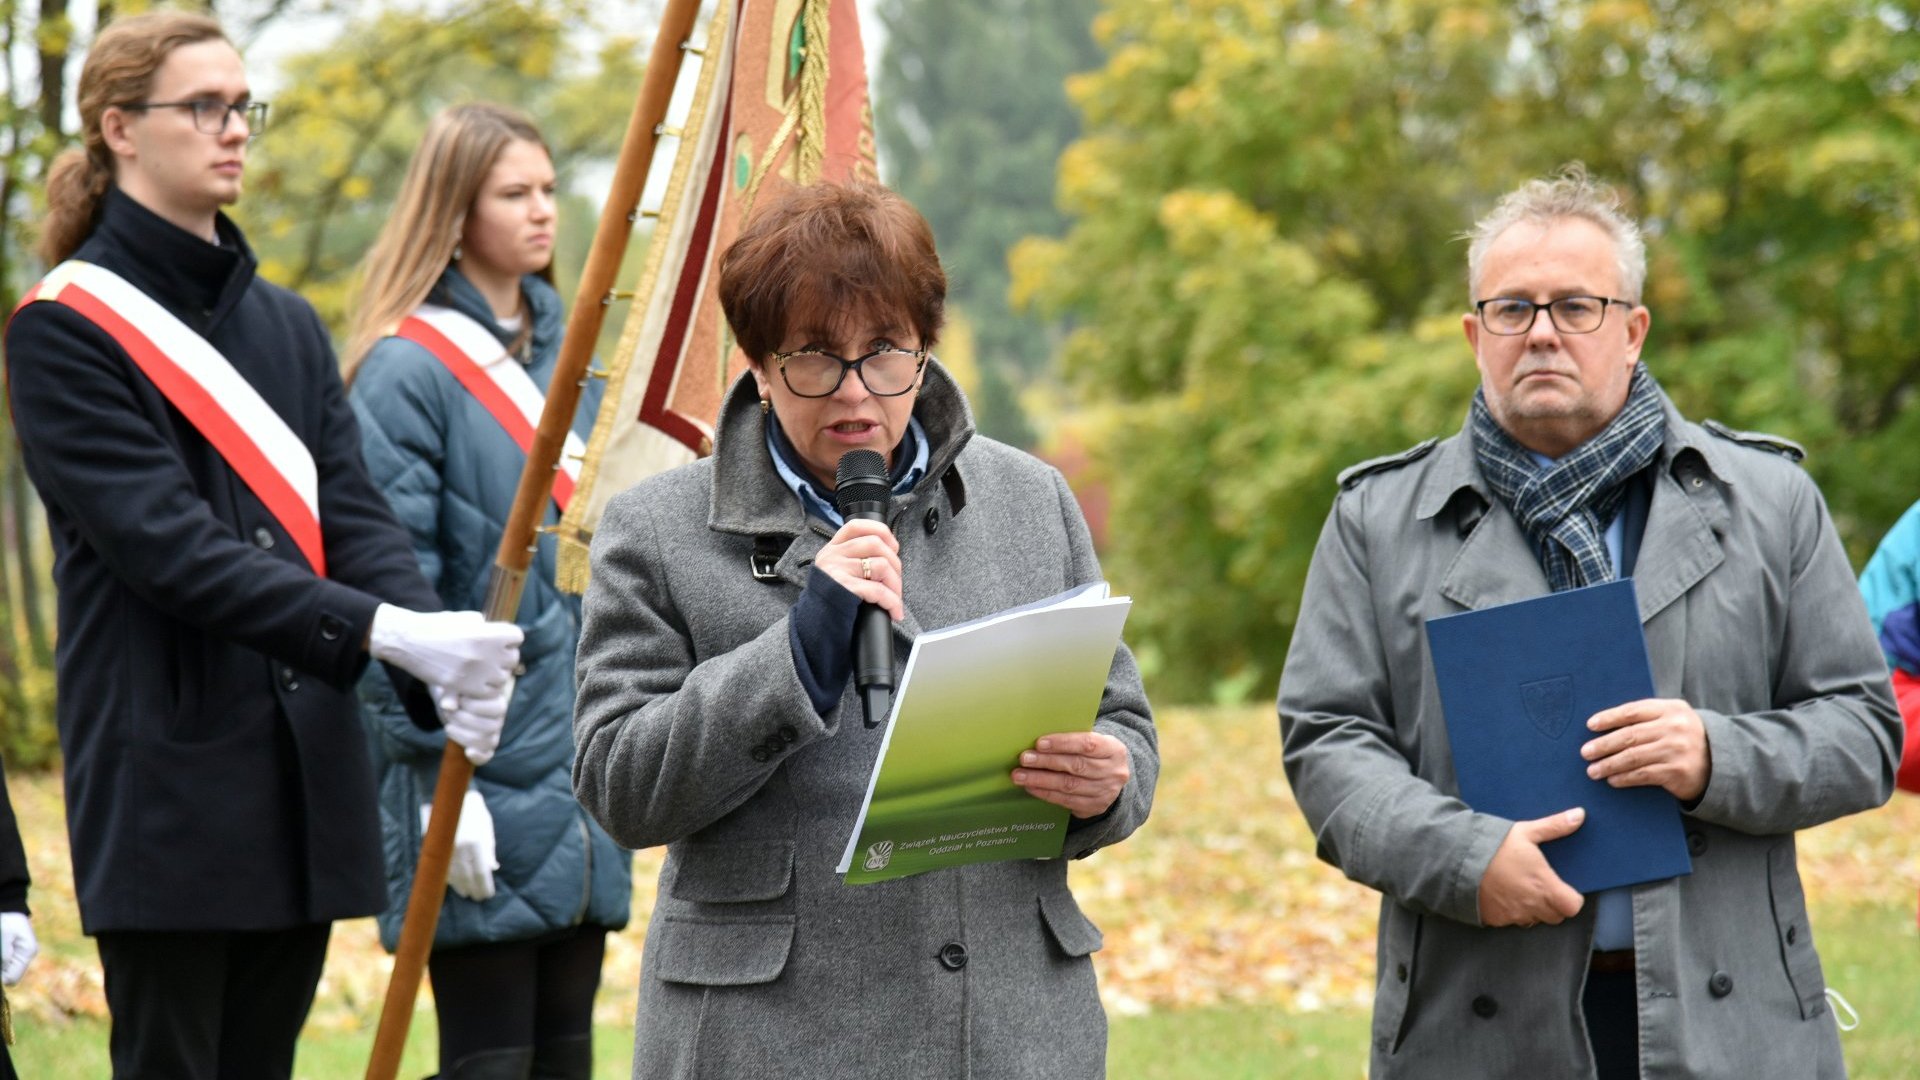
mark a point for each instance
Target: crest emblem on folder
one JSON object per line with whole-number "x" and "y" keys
{"x": 1549, "y": 704}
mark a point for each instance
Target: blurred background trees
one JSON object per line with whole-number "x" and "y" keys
{"x": 1265, "y": 282}
{"x": 1209, "y": 246}
{"x": 971, "y": 113}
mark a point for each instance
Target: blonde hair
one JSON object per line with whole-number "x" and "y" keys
{"x": 416, "y": 244}
{"x": 119, "y": 71}
{"x": 1570, "y": 194}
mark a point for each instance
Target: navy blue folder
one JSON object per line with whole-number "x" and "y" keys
{"x": 1517, "y": 684}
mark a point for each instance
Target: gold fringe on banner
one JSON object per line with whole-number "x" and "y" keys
{"x": 571, "y": 565}
{"x": 813, "y": 93}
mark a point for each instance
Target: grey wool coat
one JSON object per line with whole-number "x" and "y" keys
{"x": 1751, "y": 615}
{"x": 759, "y": 962}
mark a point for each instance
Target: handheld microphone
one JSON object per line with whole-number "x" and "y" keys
{"x": 861, "y": 491}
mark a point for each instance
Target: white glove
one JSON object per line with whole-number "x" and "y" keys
{"x": 17, "y": 946}
{"x": 474, "y": 722}
{"x": 470, "y": 872}
{"x": 458, "y": 650}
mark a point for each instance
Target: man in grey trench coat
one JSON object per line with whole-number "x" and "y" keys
{"x": 1774, "y": 712}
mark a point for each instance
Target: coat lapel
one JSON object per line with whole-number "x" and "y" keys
{"x": 1687, "y": 514}
{"x": 1495, "y": 565}
{"x": 1679, "y": 546}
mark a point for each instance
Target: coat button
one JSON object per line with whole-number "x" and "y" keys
{"x": 953, "y": 956}
{"x": 773, "y": 746}
{"x": 263, "y": 538}
{"x": 1721, "y": 984}
{"x": 1696, "y": 843}
{"x": 933, "y": 520}
{"x": 788, "y": 734}
{"x": 760, "y": 754}
{"x": 1793, "y": 934}
{"x": 288, "y": 679}
{"x": 331, "y": 628}
{"x": 1485, "y": 1007}
{"x": 1400, "y": 972}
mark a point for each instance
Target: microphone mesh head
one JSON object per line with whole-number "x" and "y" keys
{"x": 861, "y": 477}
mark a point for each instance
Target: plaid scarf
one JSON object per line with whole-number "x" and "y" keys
{"x": 1565, "y": 507}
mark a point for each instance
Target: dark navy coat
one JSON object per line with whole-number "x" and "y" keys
{"x": 450, "y": 470}
{"x": 216, "y": 776}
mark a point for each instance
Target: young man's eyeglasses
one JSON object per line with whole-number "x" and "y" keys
{"x": 211, "y": 115}
{"x": 1509, "y": 316}
{"x": 888, "y": 372}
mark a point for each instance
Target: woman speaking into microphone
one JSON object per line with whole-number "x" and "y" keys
{"x": 717, "y": 715}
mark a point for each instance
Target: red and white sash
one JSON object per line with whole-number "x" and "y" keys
{"x": 498, "y": 381}
{"x": 197, "y": 380}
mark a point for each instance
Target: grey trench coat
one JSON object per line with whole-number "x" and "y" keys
{"x": 759, "y": 962}
{"x": 1751, "y": 615}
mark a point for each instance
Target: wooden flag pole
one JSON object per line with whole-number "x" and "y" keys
{"x": 519, "y": 541}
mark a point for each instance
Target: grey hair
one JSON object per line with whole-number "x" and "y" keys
{"x": 1571, "y": 193}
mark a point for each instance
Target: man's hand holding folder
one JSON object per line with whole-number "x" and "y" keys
{"x": 1519, "y": 888}
{"x": 1654, "y": 742}
{"x": 1524, "y": 687}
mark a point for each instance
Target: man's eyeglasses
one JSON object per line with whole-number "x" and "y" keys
{"x": 210, "y": 115}
{"x": 888, "y": 372}
{"x": 1509, "y": 316}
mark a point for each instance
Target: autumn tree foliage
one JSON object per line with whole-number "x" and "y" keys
{"x": 1266, "y": 279}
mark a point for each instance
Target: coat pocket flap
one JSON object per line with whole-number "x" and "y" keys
{"x": 732, "y": 873}
{"x": 720, "y": 952}
{"x": 1072, "y": 931}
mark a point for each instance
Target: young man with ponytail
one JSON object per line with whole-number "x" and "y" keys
{"x": 225, "y": 571}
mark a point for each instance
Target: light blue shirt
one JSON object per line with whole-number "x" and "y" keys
{"x": 821, "y": 505}
{"x": 1612, "y": 908}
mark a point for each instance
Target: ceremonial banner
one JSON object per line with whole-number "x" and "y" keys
{"x": 781, "y": 98}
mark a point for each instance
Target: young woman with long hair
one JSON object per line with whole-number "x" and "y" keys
{"x": 456, "y": 334}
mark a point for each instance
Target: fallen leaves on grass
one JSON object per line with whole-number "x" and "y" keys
{"x": 1219, "y": 899}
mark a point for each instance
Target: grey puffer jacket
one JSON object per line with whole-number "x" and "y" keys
{"x": 450, "y": 472}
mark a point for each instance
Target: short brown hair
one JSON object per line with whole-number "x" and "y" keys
{"x": 821, "y": 254}
{"x": 119, "y": 71}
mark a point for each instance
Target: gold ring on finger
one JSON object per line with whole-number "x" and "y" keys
{"x": 866, "y": 567}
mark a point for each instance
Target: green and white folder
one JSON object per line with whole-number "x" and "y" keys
{"x": 973, "y": 697}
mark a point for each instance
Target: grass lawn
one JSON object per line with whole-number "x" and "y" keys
{"x": 1230, "y": 951}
